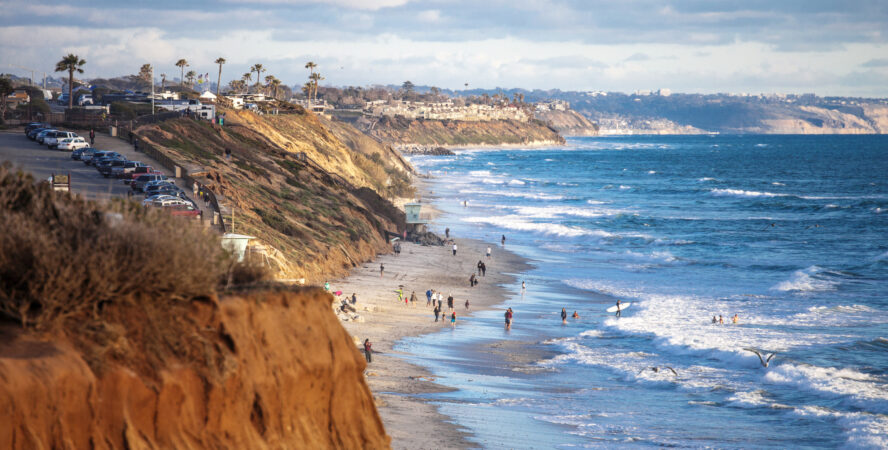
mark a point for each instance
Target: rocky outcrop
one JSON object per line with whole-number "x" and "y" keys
{"x": 272, "y": 369}
{"x": 454, "y": 134}
{"x": 568, "y": 123}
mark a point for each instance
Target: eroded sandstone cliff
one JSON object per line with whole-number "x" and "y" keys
{"x": 270, "y": 369}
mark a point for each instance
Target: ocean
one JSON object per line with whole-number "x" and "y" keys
{"x": 790, "y": 233}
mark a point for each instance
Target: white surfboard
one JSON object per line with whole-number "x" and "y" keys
{"x": 622, "y": 306}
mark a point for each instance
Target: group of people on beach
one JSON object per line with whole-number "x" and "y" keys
{"x": 721, "y": 321}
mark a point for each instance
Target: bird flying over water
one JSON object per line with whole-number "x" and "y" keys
{"x": 657, "y": 370}
{"x": 764, "y": 361}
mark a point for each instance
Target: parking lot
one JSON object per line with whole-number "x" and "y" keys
{"x": 85, "y": 180}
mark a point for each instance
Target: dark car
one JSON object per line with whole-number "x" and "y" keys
{"x": 106, "y": 167}
{"x": 162, "y": 188}
{"x": 98, "y": 156}
{"x": 32, "y": 135}
{"x": 77, "y": 154}
{"x": 34, "y": 125}
{"x": 139, "y": 182}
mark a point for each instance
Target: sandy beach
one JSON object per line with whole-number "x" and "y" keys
{"x": 411, "y": 422}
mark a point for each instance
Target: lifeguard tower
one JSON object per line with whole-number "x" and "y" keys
{"x": 415, "y": 222}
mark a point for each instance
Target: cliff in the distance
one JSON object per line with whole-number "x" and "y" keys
{"x": 451, "y": 133}
{"x": 272, "y": 369}
{"x": 568, "y": 123}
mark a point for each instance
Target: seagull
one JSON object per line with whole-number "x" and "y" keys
{"x": 657, "y": 370}
{"x": 764, "y": 361}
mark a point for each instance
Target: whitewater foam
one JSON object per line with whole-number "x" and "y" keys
{"x": 806, "y": 280}
{"x": 743, "y": 193}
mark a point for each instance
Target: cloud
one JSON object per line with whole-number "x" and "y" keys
{"x": 638, "y": 57}
{"x": 430, "y": 16}
{"x": 371, "y": 5}
{"x": 878, "y": 62}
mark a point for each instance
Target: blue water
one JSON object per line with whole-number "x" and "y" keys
{"x": 788, "y": 232}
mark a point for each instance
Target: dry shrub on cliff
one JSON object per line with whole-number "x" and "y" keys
{"x": 64, "y": 258}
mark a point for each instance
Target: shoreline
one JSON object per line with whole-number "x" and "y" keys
{"x": 398, "y": 386}
{"x": 406, "y": 148}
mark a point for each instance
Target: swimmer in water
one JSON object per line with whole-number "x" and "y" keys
{"x": 575, "y": 315}
{"x": 735, "y": 318}
{"x": 563, "y": 315}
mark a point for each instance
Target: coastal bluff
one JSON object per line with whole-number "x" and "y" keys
{"x": 399, "y": 132}
{"x": 266, "y": 369}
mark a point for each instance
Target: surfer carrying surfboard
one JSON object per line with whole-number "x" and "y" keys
{"x": 619, "y": 309}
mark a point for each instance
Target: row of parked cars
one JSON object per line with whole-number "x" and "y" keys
{"x": 158, "y": 189}
{"x": 45, "y": 134}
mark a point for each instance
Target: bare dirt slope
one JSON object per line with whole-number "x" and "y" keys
{"x": 318, "y": 216}
{"x": 568, "y": 123}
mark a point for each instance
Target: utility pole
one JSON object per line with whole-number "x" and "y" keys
{"x": 152, "y": 90}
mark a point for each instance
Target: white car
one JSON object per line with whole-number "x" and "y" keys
{"x": 160, "y": 197}
{"x": 52, "y": 139}
{"x": 72, "y": 144}
{"x": 163, "y": 203}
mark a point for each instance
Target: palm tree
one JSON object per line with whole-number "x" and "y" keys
{"x": 272, "y": 83}
{"x": 306, "y": 89}
{"x": 182, "y": 64}
{"x": 315, "y": 77}
{"x": 258, "y": 69}
{"x": 163, "y": 80}
{"x": 190, "y": 77}
{"x": 311, "y": 67}
{"x": 247, "y": 78}
{"x": 219, "y": 61}
{"x": 71, "y": 63}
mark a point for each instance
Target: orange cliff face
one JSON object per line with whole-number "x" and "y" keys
{"x": 277, "y": 371}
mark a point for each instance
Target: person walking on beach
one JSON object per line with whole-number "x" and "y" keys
{"x": 428, "y": 297}
{"x": 413, "y": 299}
{"x": 381, "y": 269}
{"x": 467, "y": 304}
{"x": 479, "y": 267}
{"x": 472, "y": 280}
{"x": 619, "y": 308}
{"x": 437, "y": 311}
{"x": 504, "y": 240}
{"x": 488, "y": 251}
{"x": 367, "y": 349}
{"x": 483, "y": 269}
{"x": 400, "y": 295}
{"x": 454, "y": 249}
{"x": 453, "y": 319}
{"x": 508, "y": 319}
{"x": 354, "y": 298}
{"x": 447, "y": 233}
{"x": 563, "y": 315}
{"x": 450, "y": 301}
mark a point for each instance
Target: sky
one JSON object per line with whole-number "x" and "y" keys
{"x": 706, "y": 46}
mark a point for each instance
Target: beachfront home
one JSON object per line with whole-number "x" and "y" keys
{"x": 208, "y": 97}
{"x": 192, "y": 106}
